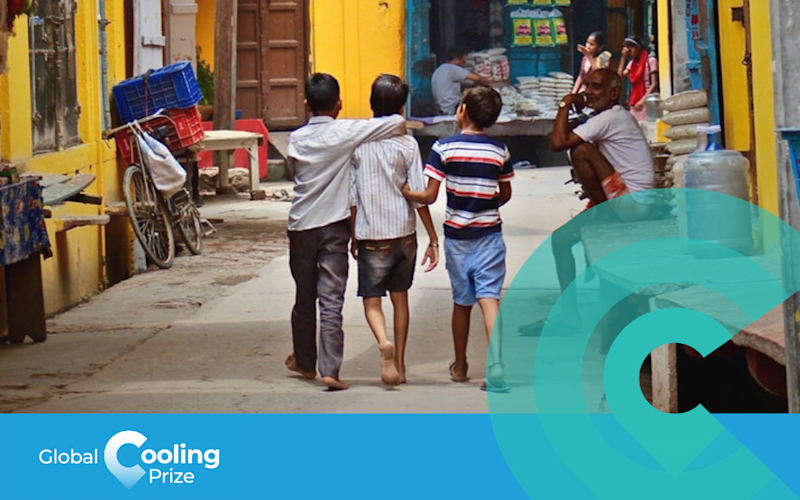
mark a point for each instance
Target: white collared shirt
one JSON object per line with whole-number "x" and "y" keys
{"x": 380, "y": 169}
{"x": 617, "y": 135}
{"x": 320, "y": 153}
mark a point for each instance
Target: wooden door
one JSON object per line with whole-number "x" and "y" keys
{"x": 148, "y": 38}
{"x": 250, "y": 87}
{"x": 272, "y": 61}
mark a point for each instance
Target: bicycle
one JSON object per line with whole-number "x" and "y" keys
{"x": 152, "y": 216}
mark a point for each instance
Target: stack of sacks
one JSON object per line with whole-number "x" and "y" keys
{"x": 510, "y": 100}
{"x": 685, "y": 111}
{"x": 490, "y": 63}
{"x": 564, "y": 83}
{"x": 528, "y": 86}
{"x": 548, "y": 87}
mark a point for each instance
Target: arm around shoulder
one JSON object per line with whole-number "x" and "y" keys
{"x": 376, "y": 129}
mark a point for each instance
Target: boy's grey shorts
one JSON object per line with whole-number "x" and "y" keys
{"x": 386, "y": 265}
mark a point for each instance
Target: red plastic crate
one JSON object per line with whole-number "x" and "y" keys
{"x": 185, "y": 130}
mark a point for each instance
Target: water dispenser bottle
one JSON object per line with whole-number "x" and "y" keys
{"x": 718, "y": 219}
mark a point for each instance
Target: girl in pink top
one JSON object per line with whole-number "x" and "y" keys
{"x": 593, "y": 58}
{"x": 642, "y": 71}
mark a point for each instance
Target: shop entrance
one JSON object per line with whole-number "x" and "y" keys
{"x": 476, "y": 25}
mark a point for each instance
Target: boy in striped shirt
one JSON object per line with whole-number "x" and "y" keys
{"x": 384, "y": 239}
{"x": 478, "y": 174}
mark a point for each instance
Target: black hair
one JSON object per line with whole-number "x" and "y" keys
{"x": 634, "y": 41}
{"x": 599, "y": 38}
{"x": 483, "y": 105}
{"x": 389, "y": 95}
{"x": 455, "y": 53}
{"x": 322, "y": 92}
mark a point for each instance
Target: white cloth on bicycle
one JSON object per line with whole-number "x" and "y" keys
{"x": 168, "y": 175}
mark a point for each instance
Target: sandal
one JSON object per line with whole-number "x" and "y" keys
{"x": 487, "y": 387}
{"x": 495, "y": 379}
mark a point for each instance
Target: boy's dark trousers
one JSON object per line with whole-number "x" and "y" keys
{"x": 319, "y": 263}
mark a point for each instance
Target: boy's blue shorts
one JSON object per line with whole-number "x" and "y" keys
{"x": 477, "y": 267}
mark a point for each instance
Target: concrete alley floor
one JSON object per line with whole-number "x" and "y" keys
{"x": 211, "y": 334}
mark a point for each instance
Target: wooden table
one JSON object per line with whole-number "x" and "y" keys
{"x": 231, "y": 140}
{"x": 643, "y": 275}
{"x": 22, "y": 309}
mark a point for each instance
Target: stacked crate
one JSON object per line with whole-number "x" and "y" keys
{"x": 173, "y": 89}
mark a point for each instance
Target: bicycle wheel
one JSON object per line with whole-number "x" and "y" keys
{"x": 188, "y": 223}
{"x": 149, "y": 218}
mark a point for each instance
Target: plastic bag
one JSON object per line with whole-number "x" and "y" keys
{"x": 686, "y": 100}
{"x": 168, "y": 175}
{"x": 681, "y": 132}
{"x": 682, "y": 147}
{"x": 523, "y": 32}
{"x": 559, "y": 27}
{"x": 686, "y": 116}
{"x": 543, "y": 32}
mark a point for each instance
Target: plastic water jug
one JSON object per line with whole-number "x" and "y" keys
{"x": 718, "y": 219}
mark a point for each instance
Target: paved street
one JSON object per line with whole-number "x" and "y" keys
{"x": 212, "y": 338}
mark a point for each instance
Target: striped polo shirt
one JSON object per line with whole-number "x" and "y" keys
{"x": 473, "y": 166}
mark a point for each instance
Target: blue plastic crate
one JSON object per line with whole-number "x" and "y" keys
{"x": 171, "y": 87}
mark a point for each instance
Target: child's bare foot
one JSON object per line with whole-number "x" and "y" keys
{"x": 291, "y": 364}
{"x": 389, "y": 375}
{"x": 401, "y": 373}
{"x": 459, "y": 373}
{"x": 334, "y": 384}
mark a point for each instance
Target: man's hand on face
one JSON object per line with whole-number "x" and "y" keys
{"x": 577, "y": 101}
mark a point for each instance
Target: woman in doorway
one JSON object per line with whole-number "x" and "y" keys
{"x": 637, "y": 70}
{"x": 594, "y": 57}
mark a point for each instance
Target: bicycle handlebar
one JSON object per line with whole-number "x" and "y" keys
{"x": 158, "y": 114}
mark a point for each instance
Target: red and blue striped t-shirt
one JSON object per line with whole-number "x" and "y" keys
{"x": 473, "y": 166}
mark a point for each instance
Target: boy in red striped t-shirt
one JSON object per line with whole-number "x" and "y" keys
{"x": 478, "y": 175}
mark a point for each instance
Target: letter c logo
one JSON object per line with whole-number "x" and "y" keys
{"x": 128, "y": 476}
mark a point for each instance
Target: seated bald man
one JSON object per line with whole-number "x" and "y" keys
{"x": 611, "y": 159}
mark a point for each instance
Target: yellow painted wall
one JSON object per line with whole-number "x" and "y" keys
{"x": 355, "y": 41}
{"x": 204, "y": 30}
{"x": 664, "y": 50}
{"x": 764, "y": 104}
{"x": 732, "y": 36}
{"x": 76, "y": 270}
